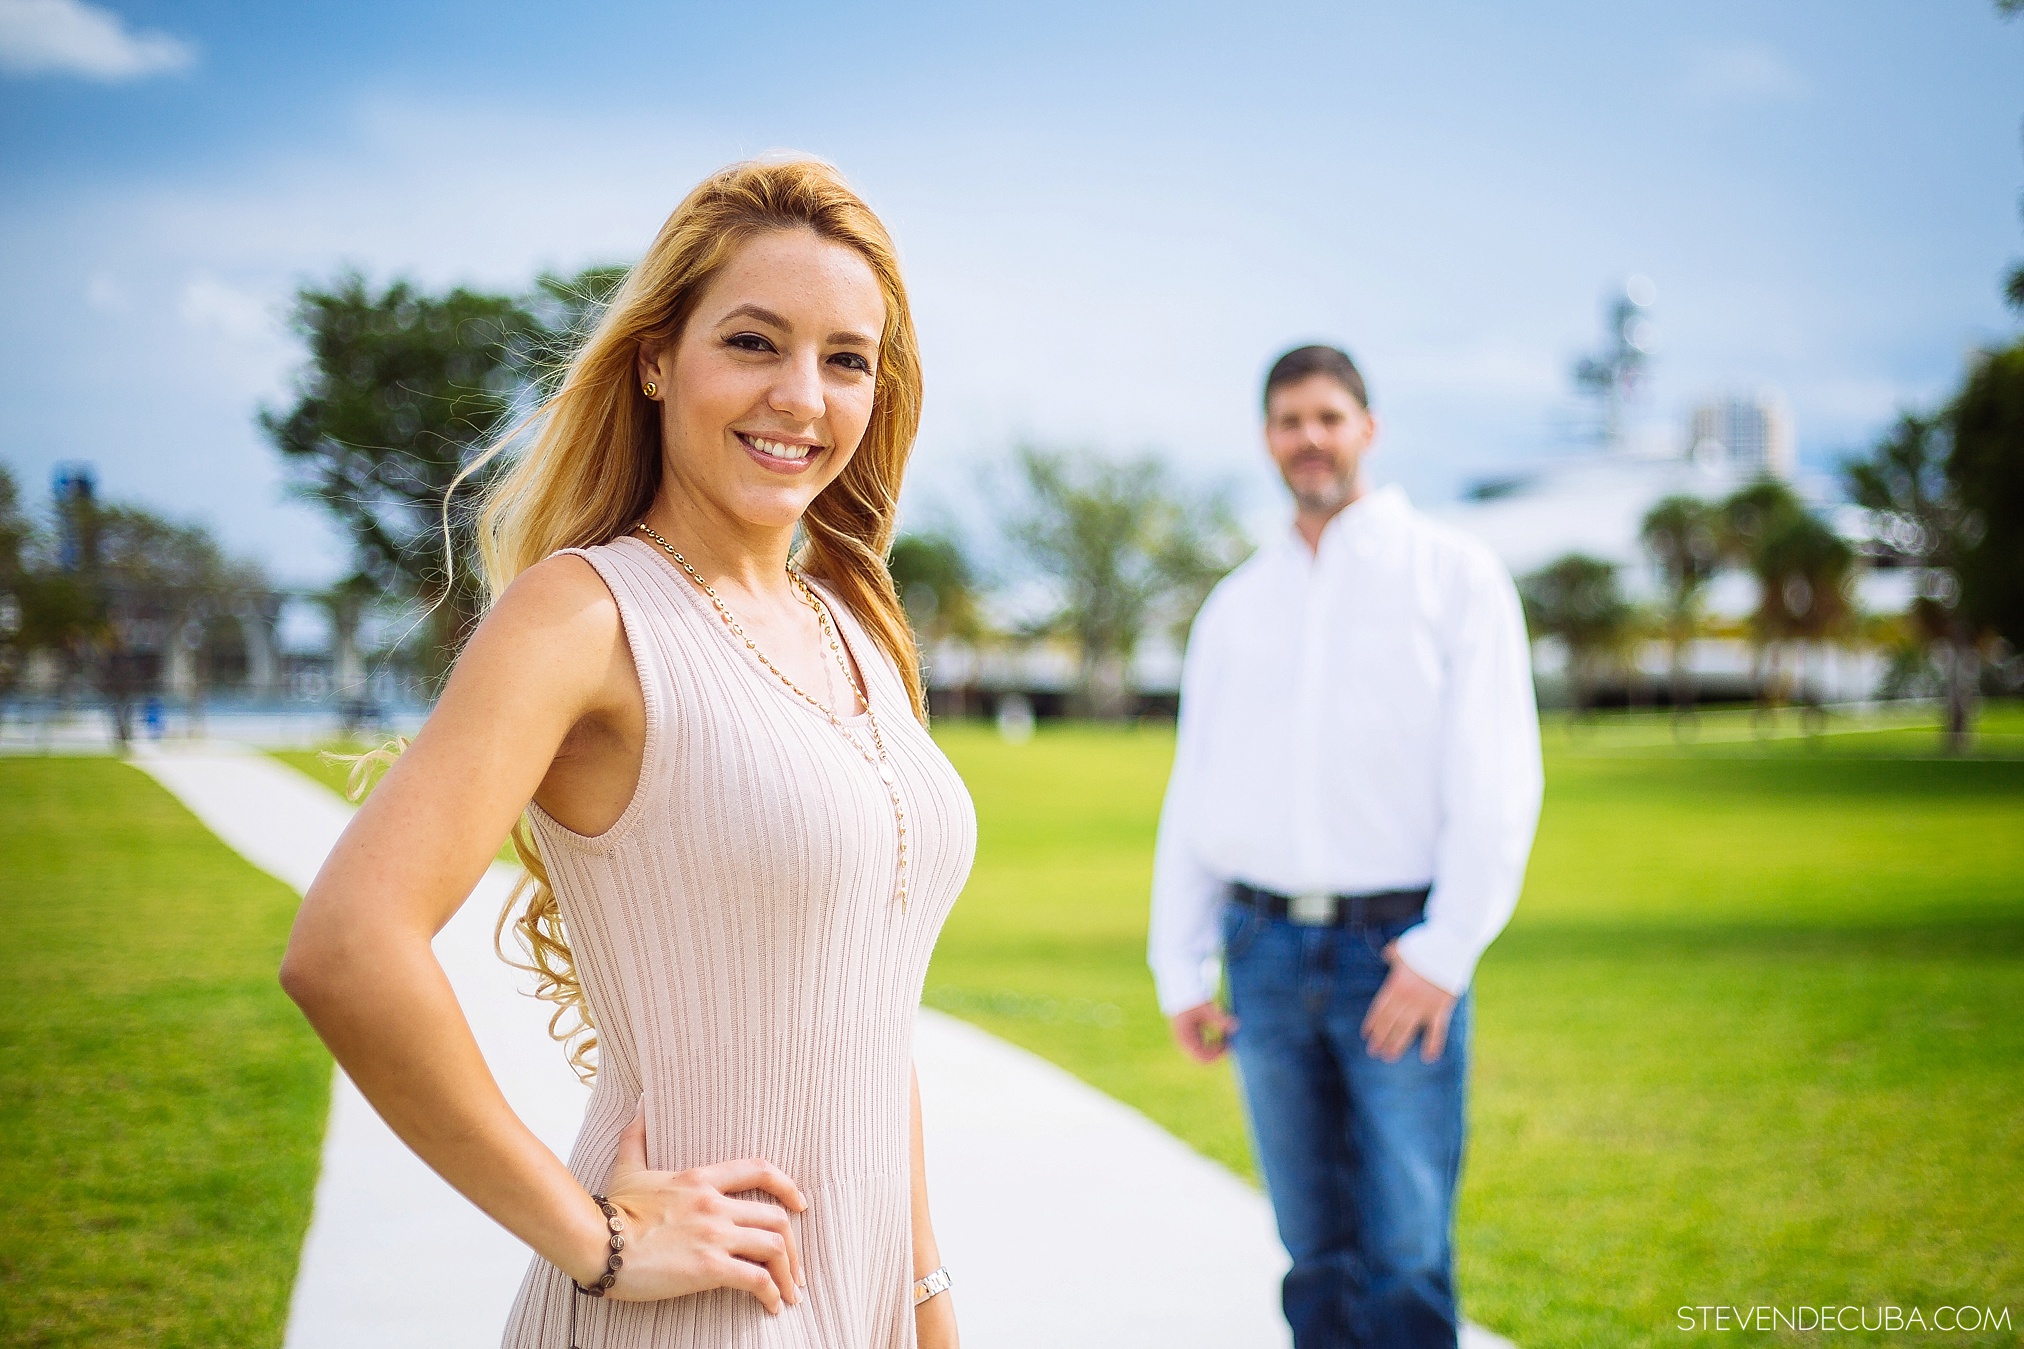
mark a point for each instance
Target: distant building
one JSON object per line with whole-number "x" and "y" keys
{"x": 1595, "y": 504}
{"x": 1751, "y": 437}
{"x": 74, "y": 491}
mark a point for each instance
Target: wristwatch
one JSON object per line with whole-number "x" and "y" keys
{"x": 928, "y": 1285}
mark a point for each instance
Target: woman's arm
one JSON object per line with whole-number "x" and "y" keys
{"x": 549, "y": 665}
{"x": 935, "y": 1319}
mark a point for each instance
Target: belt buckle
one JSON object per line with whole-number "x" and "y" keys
{"x": 1311, "y": 908}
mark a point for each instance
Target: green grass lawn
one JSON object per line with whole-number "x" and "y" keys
{"x": 317, "y": 763}
{"x": 1753, "y": 1038}
{"x": 1756, "y": 1035}
{"x": 163, "y": 1101}
{"x": 334, "y": 775}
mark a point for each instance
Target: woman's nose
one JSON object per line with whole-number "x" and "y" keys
{"x": 798, "y": 392}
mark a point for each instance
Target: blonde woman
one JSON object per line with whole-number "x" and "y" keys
{"x": 745, "y": 841}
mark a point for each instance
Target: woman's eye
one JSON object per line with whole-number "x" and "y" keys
{"x": 748, "y": 342}
{"x": 852, "y": 361}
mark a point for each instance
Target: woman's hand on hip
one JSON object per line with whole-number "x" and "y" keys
{"x": 684, "y": 1233}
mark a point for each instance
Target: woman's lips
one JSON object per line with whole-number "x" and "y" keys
{"x": 781, "y": 456}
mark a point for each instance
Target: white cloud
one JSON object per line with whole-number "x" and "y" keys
{"x": 1052, "y": 305}
{"x": 210, "y": 305}
{"x": 75, "y": 38}
{"x": 1742, "y": 73}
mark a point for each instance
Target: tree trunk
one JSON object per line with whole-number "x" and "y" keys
{"x": 1106, "y": 684}
{"x": 119, "y": 694}
{"x": 258, "y": 615}
{"x": 347, "y": 670}
{"x": 1963, "y": 669}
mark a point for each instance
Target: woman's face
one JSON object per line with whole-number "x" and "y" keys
{"x": 768, "y": 390}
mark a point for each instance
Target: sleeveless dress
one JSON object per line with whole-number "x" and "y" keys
{"x": 750, "y": 971}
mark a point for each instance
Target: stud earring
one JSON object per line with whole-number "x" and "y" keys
{"x": 650, "y": 388}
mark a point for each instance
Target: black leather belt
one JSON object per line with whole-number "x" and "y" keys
{"x": 1325, "y": 910}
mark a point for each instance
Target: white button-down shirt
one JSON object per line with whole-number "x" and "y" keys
{"x": 1353, "y": 719}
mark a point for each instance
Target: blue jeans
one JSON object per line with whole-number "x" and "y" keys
{"x": 1361, "y": 1157}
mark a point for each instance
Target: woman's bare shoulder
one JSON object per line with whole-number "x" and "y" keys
{"x": 564, "y": 588}
{"x": 556, "y": 621}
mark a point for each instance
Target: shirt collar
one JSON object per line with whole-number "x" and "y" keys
{"x": 1361, "y": 518}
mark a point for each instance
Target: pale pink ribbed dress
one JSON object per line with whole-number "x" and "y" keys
{"x": 750, "y": 971}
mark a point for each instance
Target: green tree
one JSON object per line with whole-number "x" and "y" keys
{"x": 402, "y": 390}
{"x": 1803, "y": 571}
{"x": 1986, "y": 472}
{"x": 119, "y": 610}
{"x": 938, "y": 585}
{"x": 1124, "y": 545}
{"x": 17, "y": 546}
{"x": 1904, "y": 483}
{"x": 1577, "y": 600}
{"x": 565, "y": 310}
{"x": 1682, "y": 535}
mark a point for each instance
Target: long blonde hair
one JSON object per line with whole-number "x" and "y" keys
{"x": 592, "y": 465}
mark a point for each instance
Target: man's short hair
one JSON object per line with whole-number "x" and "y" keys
{"x": 1302, "y": 362}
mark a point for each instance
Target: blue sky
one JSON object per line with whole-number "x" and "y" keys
{"x": 1113, "y": 216}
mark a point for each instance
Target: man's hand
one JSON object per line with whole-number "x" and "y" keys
{"x": 1407, "y": 1005}
{"x": 1204, "y": 1031}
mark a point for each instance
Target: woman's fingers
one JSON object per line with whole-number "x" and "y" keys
{"x": 731, "y": 1272}
{"x": 770, "y": 1218}
{"x": 768, "y": 1249}
{"x": 754, "y": 1174}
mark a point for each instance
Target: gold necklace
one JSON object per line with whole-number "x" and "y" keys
{"x": 877, "y": 756}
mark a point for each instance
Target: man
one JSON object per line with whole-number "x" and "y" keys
{"x": 1352, "y": 803}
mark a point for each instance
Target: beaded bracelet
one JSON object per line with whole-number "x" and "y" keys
{"x": 615, "y": 1221}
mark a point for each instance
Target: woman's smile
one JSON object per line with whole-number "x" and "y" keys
{"x": 780, "y": 456}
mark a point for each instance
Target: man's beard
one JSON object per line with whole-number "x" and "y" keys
{"x": 1328, "y": 499}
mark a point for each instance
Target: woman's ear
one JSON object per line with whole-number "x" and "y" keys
{"x": 653, "y": 375}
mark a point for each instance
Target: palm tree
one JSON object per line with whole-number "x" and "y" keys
{"x": 1682, "y": 535}
{"x": 1803, "y": 570}
{"x": 1577, "y": 600}
{"x": 1904, "y": 482}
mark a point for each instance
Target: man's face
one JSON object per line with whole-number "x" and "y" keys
{"x": 1317, "y": 434}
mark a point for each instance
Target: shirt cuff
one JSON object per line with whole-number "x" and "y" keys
{"x": 1180, "y": 990}
{"x": 1440, "y": 959}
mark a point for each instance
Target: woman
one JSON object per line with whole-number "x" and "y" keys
{"x": 745, "y": 842}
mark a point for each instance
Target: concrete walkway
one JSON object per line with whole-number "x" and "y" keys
{"x": 1068, "y": 1219}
